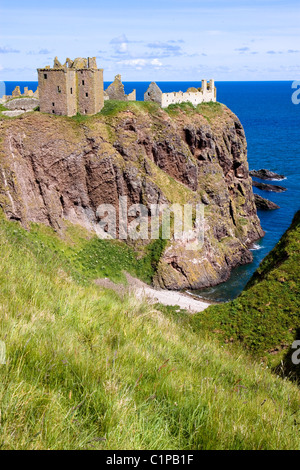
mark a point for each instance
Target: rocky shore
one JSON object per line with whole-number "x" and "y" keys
{"x": 269, "y": 187}
{"x": 265, "y": 204}
{"x": 264, "y": 174}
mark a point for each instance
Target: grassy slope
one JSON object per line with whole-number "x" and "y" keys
{"x": 87, "y": 370}
{"x": 266, "y": 315}
{"x": 86, "y": 257}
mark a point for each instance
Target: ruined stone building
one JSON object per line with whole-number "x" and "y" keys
{"x": 75, "y": 87}
{"x": 115, "y": 91}
{"x": 206, "y": 93}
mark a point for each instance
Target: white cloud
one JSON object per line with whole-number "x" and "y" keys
{"x": 137, "y": 63}
{"x": 123, "y": 47}
{"x": 119, "y": 40}
{"x": 156, "y": 63}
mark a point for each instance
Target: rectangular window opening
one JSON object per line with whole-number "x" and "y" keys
{"x": 71, "y": 91}
{"x": 58, "y": 89}
{"x": 82, "y": 82}
{"x": 53, "y": 104}
{"x": 45, "y": 76}
{"x": 86, "y": 94}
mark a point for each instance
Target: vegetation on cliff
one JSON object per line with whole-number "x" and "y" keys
{"x": 56, "y": 169}
{"x": 266, "y": 316}
{"x": 87, "y": 370}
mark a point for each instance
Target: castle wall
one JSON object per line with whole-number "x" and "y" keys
{"x": 57, "y": 90}
{"x": 153, "y": 93}
{"x": 90, "y": 91}
{"x": 115, "y": 91}
{"x": 71, "y": 93}
{"x": 205, "y": 94}
{"x": 70, "y": 88}
{"x": 193, "y": 97}
{"x": 132, "y": 96}
{"x": 99, "y": 90}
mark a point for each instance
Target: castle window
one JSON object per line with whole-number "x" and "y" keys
{"x": 71, "y": 91}
{"x": 86, "y": 94}
{"x": 45, "y": 76}
{"x": 53, "y": 111}
{"x": 53, "y": 104}
{"x": 58, "y": 89}
{"x": 82, "y": 82}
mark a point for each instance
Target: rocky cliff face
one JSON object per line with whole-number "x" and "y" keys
{"x": 54, "y": 169}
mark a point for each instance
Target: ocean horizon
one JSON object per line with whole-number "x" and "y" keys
{"x": 271, "y": 123}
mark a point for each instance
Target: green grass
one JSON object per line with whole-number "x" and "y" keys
{"x": 88, "y": 370}
{"x": 86, "y": 258}
{"x": 266, "y": 316}
{"x": 209, "y": 110}
{"x": 113, "y": 107}
{"x": 3, "y": 108}
{"x": 186, "y": 107}
{"x": 82, "y": 118}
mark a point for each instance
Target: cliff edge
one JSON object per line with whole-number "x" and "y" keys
{"x": 54, "y": 169}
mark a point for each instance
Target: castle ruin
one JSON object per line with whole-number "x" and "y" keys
{"x": 206, "y": 93}
{"x": 75, "y": 87}
{"x": 115, "y": 91}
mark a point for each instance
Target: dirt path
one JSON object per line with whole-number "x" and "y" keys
{"x": 165, "y": 297}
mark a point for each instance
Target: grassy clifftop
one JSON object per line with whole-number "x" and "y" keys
{"x": 85, "y": 369}
{"x": 265, "y": 317}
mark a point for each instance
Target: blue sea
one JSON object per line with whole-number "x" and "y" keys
{"x": 272, "y": 126}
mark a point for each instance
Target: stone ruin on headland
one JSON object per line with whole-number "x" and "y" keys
{"x": 16, "y": 93}
{"x": 206, "y": 93}
{"x": 18, "y": 103}
{"x": 77, "y": 87}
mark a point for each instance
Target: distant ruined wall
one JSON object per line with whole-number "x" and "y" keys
{"x": 195, "y": 96}
{"x": 132, "y": 96}
{"x": 115, "y": 91}
{"x": 16, "y": 92}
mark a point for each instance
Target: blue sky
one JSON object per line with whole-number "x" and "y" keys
{"x": 154, "y": 40}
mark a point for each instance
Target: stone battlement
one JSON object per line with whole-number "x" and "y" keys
{"x": 206, "y": 93}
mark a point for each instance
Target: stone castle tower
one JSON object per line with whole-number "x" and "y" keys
{"x": 75, "y": 87}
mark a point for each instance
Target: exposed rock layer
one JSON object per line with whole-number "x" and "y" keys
{"x": 275, "y": 188}
{"x": 264, "y": 174}
{"x": 26, "y": 104}
{"x": 264, "y": 204}
{"x": 54, "y": 169}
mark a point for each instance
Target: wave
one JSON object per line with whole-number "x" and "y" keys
{"x": 208, "y": 290}
{"x": 278, "y": 179}
{"x": 256, "y": 247}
